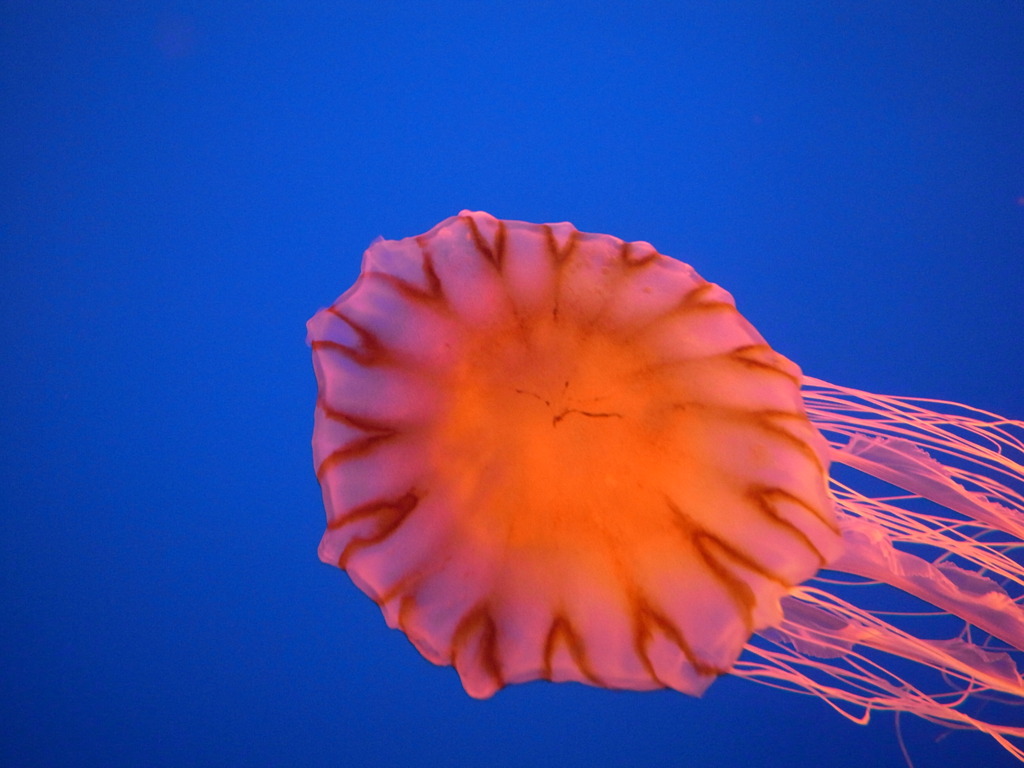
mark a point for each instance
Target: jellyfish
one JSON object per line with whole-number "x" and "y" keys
{"x": 547, "y": 454}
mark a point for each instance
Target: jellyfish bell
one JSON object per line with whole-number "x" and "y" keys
{"x": 555, "y": 455}
{"x": 547, "y": 425}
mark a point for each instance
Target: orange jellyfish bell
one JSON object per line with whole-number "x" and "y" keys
{"x": 555, "y": 455}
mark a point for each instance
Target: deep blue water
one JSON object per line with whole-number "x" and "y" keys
{"x": 185, "y": 183}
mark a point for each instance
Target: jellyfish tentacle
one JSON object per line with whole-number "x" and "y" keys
{"x": 986, "y": 606}
{"x": 831, "y": 648}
